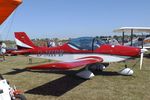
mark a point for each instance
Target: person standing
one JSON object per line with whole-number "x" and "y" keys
{"x": 51, "y": 43}
{"x": 3, "y": 49}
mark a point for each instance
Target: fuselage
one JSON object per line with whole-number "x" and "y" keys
{"x": 68, "y": 52}
{"x": 75, "y": 49}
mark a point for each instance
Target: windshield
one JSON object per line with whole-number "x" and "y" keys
{"x": 86, "y": 43}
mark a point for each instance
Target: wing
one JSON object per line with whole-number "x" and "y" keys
{"x": 146, "y": 47}
{"x": 7, "y": 7}
{"x": 69, "y": 65}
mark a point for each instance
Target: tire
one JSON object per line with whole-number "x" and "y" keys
{"x": 20, "y": 97}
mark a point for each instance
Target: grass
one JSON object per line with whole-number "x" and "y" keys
{"x": 63, "y": 85}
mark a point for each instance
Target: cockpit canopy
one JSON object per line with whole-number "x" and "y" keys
{"x": 86, "y": 43}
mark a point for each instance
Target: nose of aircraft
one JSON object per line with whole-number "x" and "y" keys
{"x": 143, "y": 50}
{"x": 120, "y": 50}
{"x": 128, "y": 51}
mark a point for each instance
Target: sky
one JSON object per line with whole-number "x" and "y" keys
{"x": 75, "y": 18}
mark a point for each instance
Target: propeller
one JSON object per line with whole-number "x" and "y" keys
{"x": 143, "y": 50}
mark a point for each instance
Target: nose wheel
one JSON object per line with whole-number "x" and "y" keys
{"x": 126, "y": 71}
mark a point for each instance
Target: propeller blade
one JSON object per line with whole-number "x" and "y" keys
{"x": 143, "y": 50}
{"x": 141, "y": 60}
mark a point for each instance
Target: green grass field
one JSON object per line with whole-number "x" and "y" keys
{"x": 64, "y": 85}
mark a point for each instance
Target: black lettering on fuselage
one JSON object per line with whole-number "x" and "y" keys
{"x": 51, "y": 53}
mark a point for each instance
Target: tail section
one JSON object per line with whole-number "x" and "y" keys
{"x": 23, "y": 41}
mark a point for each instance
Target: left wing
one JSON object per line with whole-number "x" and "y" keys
{"x": 69, "y": 65}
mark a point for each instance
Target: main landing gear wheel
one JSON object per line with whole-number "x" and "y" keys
{"x": 85, "y": 74}
{"x": 20, "y": 97}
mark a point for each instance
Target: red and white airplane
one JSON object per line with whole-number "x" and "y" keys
{"x": 84, "y": 51}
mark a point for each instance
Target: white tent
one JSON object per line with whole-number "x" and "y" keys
{"x": 133, "y": 29}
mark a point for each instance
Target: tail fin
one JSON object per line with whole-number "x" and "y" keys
{"x": 23, "y": 41}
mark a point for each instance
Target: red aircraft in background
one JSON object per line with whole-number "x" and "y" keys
{"x": 84, "y": 51}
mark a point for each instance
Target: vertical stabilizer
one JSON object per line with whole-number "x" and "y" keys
{"x": 23, "y": 41}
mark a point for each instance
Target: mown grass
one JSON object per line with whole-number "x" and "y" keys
{"x": 63, "y": 85}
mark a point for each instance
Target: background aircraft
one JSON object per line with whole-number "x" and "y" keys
{"x": 84, "y": 51}
{"x": 141, "y": 42}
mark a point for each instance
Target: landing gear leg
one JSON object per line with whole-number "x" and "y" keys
{"x": 30, "y": 60}
{"x": 97, "y": 67}
{"x": 126, "y": 66}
